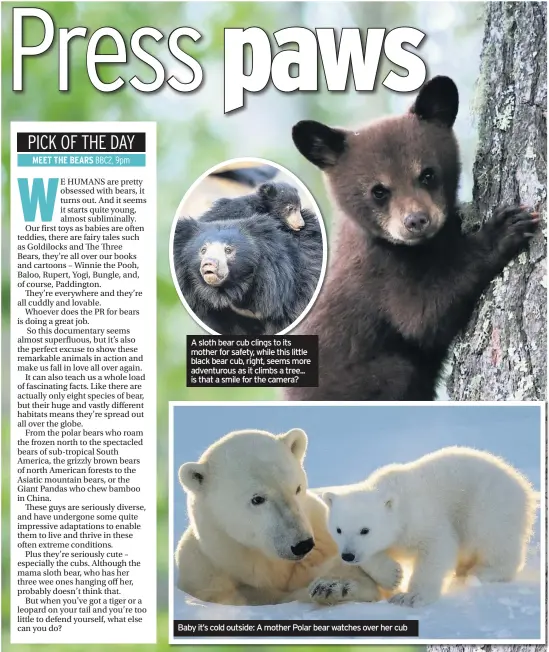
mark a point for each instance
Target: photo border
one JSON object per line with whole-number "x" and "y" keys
{"x": 356, "y": 640}
{"x": 281, "y": 168}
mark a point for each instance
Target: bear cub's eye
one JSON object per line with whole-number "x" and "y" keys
{"x": 364, "y": 531}
{"x": 203, "y": 249}
{"x": 229, "y": 250}
{"x": 298, "y": 490}
{"x": 258, "y": 500}
{"x": 380, "y": 192}
{"x": 338, "y": 530}
{"x": 427, "y": 177}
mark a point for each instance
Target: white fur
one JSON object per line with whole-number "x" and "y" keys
{"x": 456, "y": 510}
{"x": 235, "y": 552}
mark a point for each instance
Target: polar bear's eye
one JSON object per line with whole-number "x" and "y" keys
{"x": 258, "y": 500}
{"x": 364, "y": 530}
{"x": 298, "y": 490}
{"x": 338, "y": 530}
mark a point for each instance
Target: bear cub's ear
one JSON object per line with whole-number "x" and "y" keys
{"x": 438, "y": 101}
{"x": 390, "y": 502}
{"x": 192, "y": 476}
{"x": 328, "y": 497}
{"x": 296, "y": 441}
{"x": 320, "y": 144}
{"x": 267, "y": 190}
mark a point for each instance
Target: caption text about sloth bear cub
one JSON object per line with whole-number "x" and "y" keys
{"x": 268, "y": 361}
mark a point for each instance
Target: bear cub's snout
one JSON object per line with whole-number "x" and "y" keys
{"x": 417, "y": 222}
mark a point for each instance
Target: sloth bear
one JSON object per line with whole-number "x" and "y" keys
{"x": 249, "y": 275}
{"x": 280, "y": 200}
{"x": 403, "y": 279}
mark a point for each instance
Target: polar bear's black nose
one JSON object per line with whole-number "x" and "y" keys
{"x": 347, "y": 556}
{"x": 303, "y": 547}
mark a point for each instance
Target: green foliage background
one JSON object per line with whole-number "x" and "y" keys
{"x": 191, "y": 139}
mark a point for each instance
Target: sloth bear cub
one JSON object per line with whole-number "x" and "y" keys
{"x": 280, "y": 200}
{"x": 244, "y": 272}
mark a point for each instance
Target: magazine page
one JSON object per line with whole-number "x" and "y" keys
{"x": 274, "y": 325}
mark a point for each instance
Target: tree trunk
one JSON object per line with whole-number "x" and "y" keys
{"x": 502, "y": 354}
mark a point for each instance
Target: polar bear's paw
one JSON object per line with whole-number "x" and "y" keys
{"x": 388, "y": 575}
{"x": 329, "y": 591}
{"x": 411, "y": 599}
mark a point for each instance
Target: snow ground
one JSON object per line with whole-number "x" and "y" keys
{"x": 468, "y": 611}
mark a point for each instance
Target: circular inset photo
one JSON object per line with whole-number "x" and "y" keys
{"x": 248, "y": 249}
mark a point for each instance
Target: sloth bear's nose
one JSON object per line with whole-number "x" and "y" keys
{"x": 210, "y": 262}
{"x": 303, "y": 547}
{"x": 347, "y": 556}
{"x": 416, "y": 222}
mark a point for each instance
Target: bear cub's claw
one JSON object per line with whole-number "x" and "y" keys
{"x": 513, "y": 225}
{"x": 327, "y": 591}
{"x": 408, "y": 600}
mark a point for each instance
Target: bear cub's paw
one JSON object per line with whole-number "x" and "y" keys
{"x": 329, "y": 591}
{"x": 390, "y": 576}
{"x": 511, "y": 227}
{"x": 411, "y": 599}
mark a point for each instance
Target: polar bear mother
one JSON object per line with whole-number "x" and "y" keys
{"x": 256, "y": 534}
{"x": 455, "y": 510}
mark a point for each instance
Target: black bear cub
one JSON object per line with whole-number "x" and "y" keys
{"x": 403, "y": 279}
{"x": 249, "y": 273}
{"x": 278, "y": 199}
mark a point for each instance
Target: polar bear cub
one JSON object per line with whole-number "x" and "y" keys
{"x": 455, "y": 510}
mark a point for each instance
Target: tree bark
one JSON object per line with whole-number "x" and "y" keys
{"x": 502, "y": 354}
